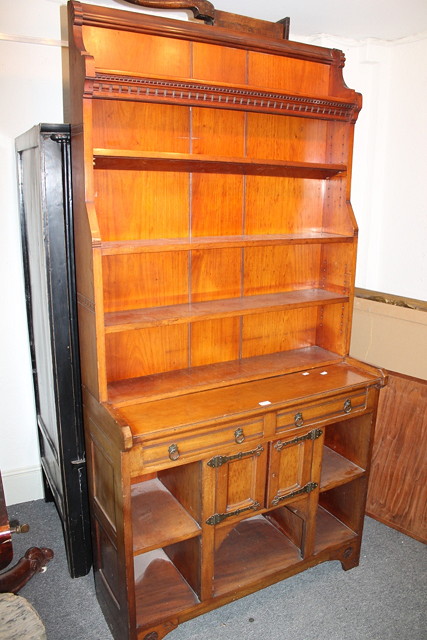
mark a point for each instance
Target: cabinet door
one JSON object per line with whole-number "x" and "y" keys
{"x": 239, "y": 481}
{"x": 45, "y": 199}
{"x": 291, "y": 464}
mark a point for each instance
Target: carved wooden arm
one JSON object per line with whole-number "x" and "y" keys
{"x": 202, "y": 9}
{"x": 34, "y": 561}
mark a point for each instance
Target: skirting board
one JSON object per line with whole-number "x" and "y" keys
{"x": 23, "y": 485}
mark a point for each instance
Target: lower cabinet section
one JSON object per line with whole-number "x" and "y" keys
{"x": 176, "y": 542}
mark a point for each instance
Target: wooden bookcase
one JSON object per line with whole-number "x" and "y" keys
{"x": 228, "y": 432}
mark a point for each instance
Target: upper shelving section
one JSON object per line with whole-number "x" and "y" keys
{"x": 210, "y": 66}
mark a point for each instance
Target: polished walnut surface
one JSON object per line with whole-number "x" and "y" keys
{"x": 228, "y": 432}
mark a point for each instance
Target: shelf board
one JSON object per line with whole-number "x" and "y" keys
{"x": 157, "y": 161}
{"x": 253, "y": 550}
{"x": 230, "y": 307}
{"x": 330, "y": 531}
{"x": 175, "y": 383}
{"x": 161, "y": 245}
{"x": 337, "y": 470}
{"x": 160, "y": 589}
{"x": 155, "y": 514}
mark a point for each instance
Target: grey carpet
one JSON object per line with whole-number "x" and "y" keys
{"x": 382, "y": 599}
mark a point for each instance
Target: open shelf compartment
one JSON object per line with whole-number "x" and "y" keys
{"x": 161, "y": 591}
{"x": 155, "y": 514}
{"x": 173, "y": 383}
{"x": 252, "y": 550}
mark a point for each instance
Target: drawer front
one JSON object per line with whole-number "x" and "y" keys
{"x": 337, "y": 407}
{"x": 197, "y": 445}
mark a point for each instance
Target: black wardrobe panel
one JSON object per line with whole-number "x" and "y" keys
{"x": 45, "y": 200}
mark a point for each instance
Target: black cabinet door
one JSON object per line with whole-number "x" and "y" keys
{"x": 45, "y": 200}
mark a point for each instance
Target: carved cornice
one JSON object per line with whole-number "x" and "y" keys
{"x": 193, "y": 93}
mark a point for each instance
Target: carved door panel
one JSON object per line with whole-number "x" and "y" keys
{"x": 290, "y": 469}
{"x": 239, "y": 483}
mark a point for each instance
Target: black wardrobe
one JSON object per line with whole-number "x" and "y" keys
{"x": 45, "y": 201}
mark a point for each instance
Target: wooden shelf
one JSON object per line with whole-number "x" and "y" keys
{"x": 174, "y": 383}
{"x": 229, "y": 307}
{"x": 155, "y": 514}
{"x": 330, "y": 532}
{"x": 156, "y": 161}
{"x": 336, "y": 470}
{"x": 219, "y": 242}
{"x": 160, "y": 589}
{"x": 252, "y": 550}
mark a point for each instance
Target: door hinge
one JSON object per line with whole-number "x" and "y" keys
{"x": 79, "y": 461}
{"x": 311, "y": 435}
{"x": 218, "y": 461}
{"x": 308, "y": 488}
{"x": 219, "y": 517}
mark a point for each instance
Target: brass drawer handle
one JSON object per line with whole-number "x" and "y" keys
{"x": 298, "y": 419}
{"x": 174, "y": 452}
{"x": 239, "y": 436}
{"x": 347, "y": 406}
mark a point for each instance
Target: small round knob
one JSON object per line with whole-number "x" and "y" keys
{"x": 347, "y": 406}
{"x": 174, "y": 452}
{"x": 298, "y": 419}
{"x": 239, "y": 436}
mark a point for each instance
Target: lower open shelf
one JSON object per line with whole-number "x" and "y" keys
{"x": 160, "y": 589}
{"x": 252, "y": 550}
{"x": 214, "y": 376}
{"x": 330, "y": 532}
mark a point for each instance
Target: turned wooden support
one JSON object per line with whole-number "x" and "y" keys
{"x": 34, "y": 561}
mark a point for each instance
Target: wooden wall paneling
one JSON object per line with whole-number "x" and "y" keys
{"x": 217, "y": 205}
{"x": 142, "y": 352}
{"x": 282, "y": 205}
{"x": 337, "y": 269}
{"x": 215, "y": 274}
{"x": 278, "y": 331}
{"x": 281, "y": 268}
{"x": 397, "y": 494}
{"x": 137, "y": 53}
{"x": 337, "y": 213}
{"x": 140, "y": 280}
{"x": 352, "y": 439}
{"x": 285, "y": 137}
{"x": 218, "y": 132}
{"x": 148, "y": 204}
{"x": 215, "y": 341}
{"x": 140, "y": 126}
{"x": 332, "y": 331}
{"x": 219, "y": 64}
{"x": 288, "y": 74}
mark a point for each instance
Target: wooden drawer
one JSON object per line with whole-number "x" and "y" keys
{"x": 195, "y": 445}
{"x": 340, "y": 406}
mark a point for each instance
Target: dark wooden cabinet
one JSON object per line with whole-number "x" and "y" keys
{"x": 45, "y": 200}
{"x": 228, "y": 431}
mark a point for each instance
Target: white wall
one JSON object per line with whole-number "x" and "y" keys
{"x": 389, "y": 191}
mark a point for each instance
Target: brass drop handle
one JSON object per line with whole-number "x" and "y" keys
{"x": 298, "y": 419}
{"x": 347, "y": 406}
{"x": 239, "y": 436}
{"x": 173, "y": 452}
